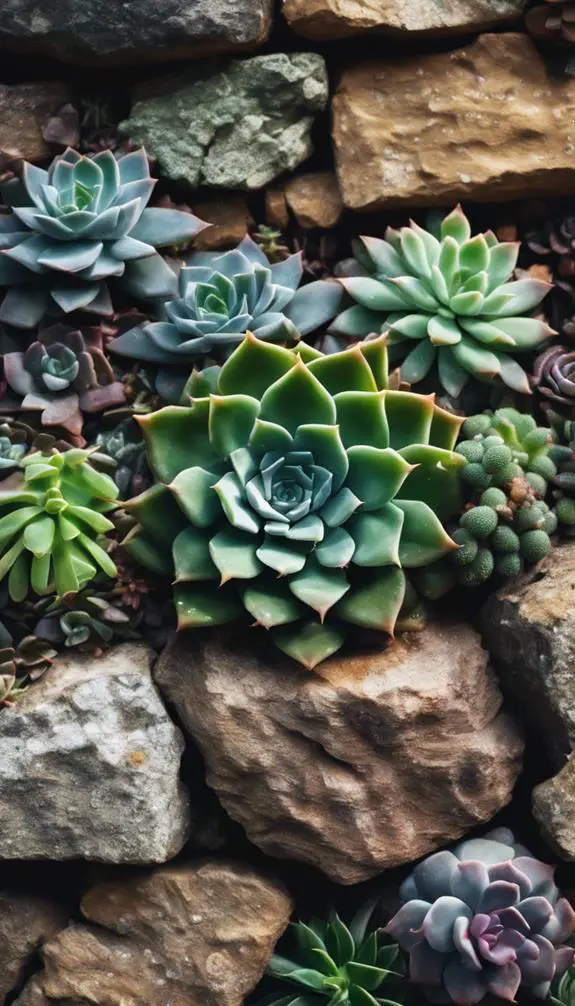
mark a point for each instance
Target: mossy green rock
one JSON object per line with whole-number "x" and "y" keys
{"x": 239, "y": 127}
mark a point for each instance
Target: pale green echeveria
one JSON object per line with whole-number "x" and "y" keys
{"x": 79, "y": 224}
{"x": 300, "y": 493}
{"x": 52, "y": 524}
{"x": 221, "y": 297}
{"x": 446, "y": 300}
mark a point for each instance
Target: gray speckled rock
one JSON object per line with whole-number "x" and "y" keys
{"x": 90, "y": 765}
{"x": 113, "y": 31}
{"x": 237, "y": 128}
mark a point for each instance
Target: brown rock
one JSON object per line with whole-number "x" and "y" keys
{"x": 372, "y": 762}
{"x": 25, "y": 923}
{"x": 529, "y": 629}
{"x": 24, "y": 109}
{"x": 32, "y": 995}
{"x": 486, "y": 122}
{"x": 277, "y": 214}
{"x": 195, "y": 935}
{"x": 325, "y": 19}
{"x": 554, "y": 808}
{"x": 315, "y": 199}
{"x": 230, "y": 218}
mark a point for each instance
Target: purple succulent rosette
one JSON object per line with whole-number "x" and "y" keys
{"x": 554, "y": 376}
{"x": 483, "y": 918}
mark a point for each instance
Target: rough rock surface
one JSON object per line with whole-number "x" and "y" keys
{"x": 193, "y": 935}
{"x": 487, "y": 122}
{"x": 238, "y": 128}
{"x": 315, "y": 199}
{"x": 25, "y": 923}
{"x": 230, "y": 218}
{"x": 529, "y": 629}
{"x": 24, "y": 109}
{"x": 113, "y": 31}
{"x": 554, "y": 808}
{"x": 325, "y": 19}
{"x": 372, "y": 762}
{"x": 90, "y": 765}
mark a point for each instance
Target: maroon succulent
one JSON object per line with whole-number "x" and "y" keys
{"x": 554, "y": 377}
{"x": 63, "y": 374}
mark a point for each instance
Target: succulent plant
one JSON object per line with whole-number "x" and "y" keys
{"x": 63, "y": 374}
{"x": 564, "y": 994}
{"x": 553, "y": 21}
{"x": 51, "y": 517}
{"x": 506, "y": 522}
{"x": 555, "y": 239}
{"x": 27, "y": 661}
{"x": 221, "y": 298}
{"x": 446, "y": 301}
{"x": 337, "y": 965}
{"x": 304, "y": 488}
{"x": 81, "y": 619}
{"x": 79, "y": 224}
{"x": 124, "y": 444}
{"x": 12, "y": 450}
{"x": 562, "y": 453}
{"x": 554, "y": 378}
{"x": 485, "y": 918}
{"x": 272, "y": 244}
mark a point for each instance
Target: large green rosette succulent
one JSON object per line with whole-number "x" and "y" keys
{"x": 300, "y": 492}
{"x": 77, "y": 225}
{"x": 446, "y": 300}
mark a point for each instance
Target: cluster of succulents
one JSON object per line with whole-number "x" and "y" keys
{"x": 52, "y": 522}
{"x": 446, "y": 301}
{"x": 336, "y": 964}
{"x": 483, "y": 919}
{"x": 221, "y": 297}
{"x": 79, "y": 224}
{"x": 298, "y": 495}
{"x": 64, "y": 374}
{"x": 506, "y": 523}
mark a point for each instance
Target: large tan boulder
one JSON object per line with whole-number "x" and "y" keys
{"x": 367, "y": 763}
{"x": 486, "y": 122}
{"x": 325, "y": 19}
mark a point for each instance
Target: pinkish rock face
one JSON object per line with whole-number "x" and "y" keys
{"x": 371, "y": 763}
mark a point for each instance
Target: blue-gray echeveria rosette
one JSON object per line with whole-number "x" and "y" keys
{"x": 78, "y": 224}
{"x": 223, "y": 296}
{"x": 483, "y": 918}
{"x": 448, "y": 301}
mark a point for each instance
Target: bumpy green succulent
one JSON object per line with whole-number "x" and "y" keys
{"x": 305, "y": 488}
{"x": 448, "y": 301}
{"x": 78, "y": 224}
{"x": 51, "y": 517}
{"x": 64, "y": 374}
{"x": 221, "y": 298}
{"x": 562, "y": 454}
{"x": 337, "y": 965}
{"x": 506, "y": 523}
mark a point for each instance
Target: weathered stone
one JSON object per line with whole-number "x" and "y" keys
{"x": 90, "y": 765}
{"x": 277, "y": 213}
{"x": 24, "y": 108}
{"x": 487, "y": 122}
{"x": 197, "y": 935}
{"x": 315, "y": 199}
{"x": 238, "y": 128}
{"x": 25, "y": 923}
{"x": 32, "y": 995}
{"x": 529, "y": 629}
{"x": 554, "y": 808}
{"x": 325, "y": 19}
{"x": 116, "y": 31}
{"x": 230, "y": 217}
{"x": 367, "y": 763}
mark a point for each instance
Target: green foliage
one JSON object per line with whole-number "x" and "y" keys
{"x": 77, "y": 225}
{"x": 446, "y": 301}
{"x": 562, "y": 454}
{"x": 564, "y": 993}
{"x": 507, "y": 523}
{"x": 303, "y": 488}
{"x": 51, "y": 519}
{"x": 336, "y": 965}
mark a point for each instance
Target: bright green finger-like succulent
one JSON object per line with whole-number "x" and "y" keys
{"x": 335, "y": 964}
{"x": 77, "y": 225}
{"x": 51, "y": 520}
{"x": 446, "y": 300}
{"x": 299, "y": 492}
